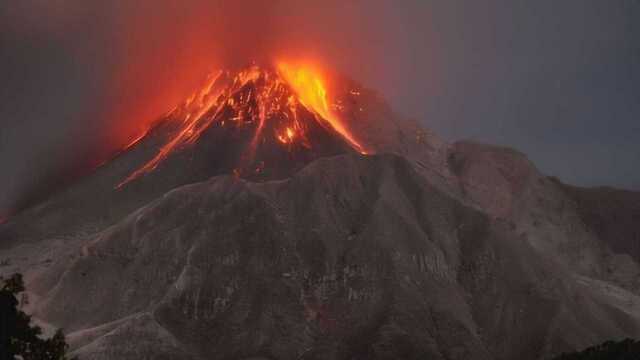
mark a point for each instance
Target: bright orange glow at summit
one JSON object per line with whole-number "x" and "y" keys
{"x": 252, "y": 98}
{"x": 312, "y": 93}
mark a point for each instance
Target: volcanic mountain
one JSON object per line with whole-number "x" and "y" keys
{"x": 258, "y": 123}
{"x": 274, "y": 215}
{"x": 262, "y": 123}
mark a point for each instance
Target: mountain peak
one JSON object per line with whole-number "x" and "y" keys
{"x": 277, "y": 112}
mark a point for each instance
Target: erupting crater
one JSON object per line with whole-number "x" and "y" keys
{"x": 264, "y": 118}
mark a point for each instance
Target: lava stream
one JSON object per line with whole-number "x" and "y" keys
{"x": 252, "y": 96}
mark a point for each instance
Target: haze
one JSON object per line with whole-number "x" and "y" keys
{"x": 556, "y": 80}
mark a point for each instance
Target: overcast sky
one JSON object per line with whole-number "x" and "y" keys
{"x": 556, "y": 79}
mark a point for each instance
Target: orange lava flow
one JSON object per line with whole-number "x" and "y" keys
{"x": 225, "y": 100}
{"x": 312, "y": 93}
{"x": 195, "y": 107}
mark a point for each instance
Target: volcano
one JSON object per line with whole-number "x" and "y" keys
{"x": 255, "y": 122}
{"x": 277, "y": 215}
{"x": 263, "y": 123}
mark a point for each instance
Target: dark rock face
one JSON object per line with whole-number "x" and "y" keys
{"x": 426, "y": 250}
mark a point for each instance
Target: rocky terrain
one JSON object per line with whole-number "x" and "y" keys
{"x": 419, "y": 249}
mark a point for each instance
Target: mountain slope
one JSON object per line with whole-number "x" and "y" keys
{"x": 352, "y": 257}
{"x": 614, "y": 215}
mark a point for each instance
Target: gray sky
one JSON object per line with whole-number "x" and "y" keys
{"x": 556, "y": 79}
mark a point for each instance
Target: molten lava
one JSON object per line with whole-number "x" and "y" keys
{"x": 274, "y": 103}
{"x": 312, "y": 93}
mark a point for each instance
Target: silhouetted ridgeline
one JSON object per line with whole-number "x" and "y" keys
{"x": 627, "y": 349}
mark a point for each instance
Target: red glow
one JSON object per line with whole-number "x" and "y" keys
{"x": 281, "y": 93}
{"x": 163, "y": 48}
{"x": 133, "y": 60}
{"x": 152, "y": 78}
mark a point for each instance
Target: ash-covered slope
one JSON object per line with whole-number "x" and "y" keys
{"x": 351, "y": 258}
{"x": 612, "y": 214}
{"x": 301, "y": 246}
{"x": 560, "y": 221}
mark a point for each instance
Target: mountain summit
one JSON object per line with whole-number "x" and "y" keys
{"x": 265, "y": 121}
{"x": 258, "y": 122}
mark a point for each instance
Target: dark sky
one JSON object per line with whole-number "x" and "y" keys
{"x": 556, "y": 79}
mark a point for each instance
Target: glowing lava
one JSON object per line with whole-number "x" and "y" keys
{"x": 312, "y": 93}
{"x": 266, "y": 100}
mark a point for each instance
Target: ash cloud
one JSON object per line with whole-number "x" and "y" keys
{"x": 557, "y": 80}
{"x": 86, "y": 76}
